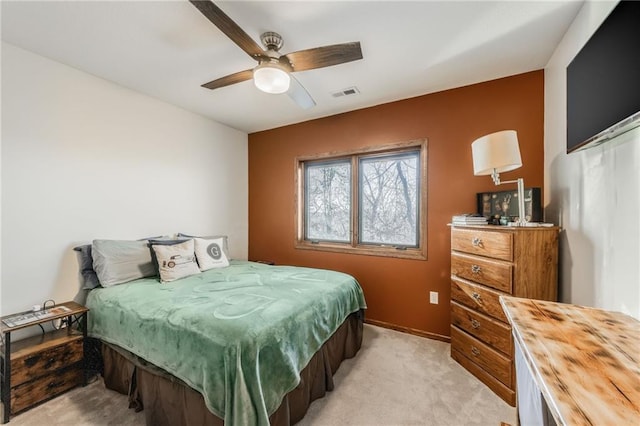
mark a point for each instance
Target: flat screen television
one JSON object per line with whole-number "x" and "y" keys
{"x": 603, "y": 81}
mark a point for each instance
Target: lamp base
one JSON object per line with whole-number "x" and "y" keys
{"x": 522, "y": 218}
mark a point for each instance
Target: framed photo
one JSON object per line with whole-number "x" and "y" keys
{"x": 504, "y": 205}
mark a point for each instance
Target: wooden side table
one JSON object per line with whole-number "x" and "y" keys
{"x": 40, "y": 367}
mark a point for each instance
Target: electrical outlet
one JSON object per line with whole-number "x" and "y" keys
{"x": 433, "y": 297}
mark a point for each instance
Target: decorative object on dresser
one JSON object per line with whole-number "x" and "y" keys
{"x": 38, "y": 368}
{"x": 576, "y": 365}
{"x": 500, "y": 152}
{"x": 486, "y": 263}
{"x": 502, "y": 205}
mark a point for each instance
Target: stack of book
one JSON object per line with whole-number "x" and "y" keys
{"x": 469, "y": 219}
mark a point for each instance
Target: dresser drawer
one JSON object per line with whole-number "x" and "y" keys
{"x": 492, "y": 273}
{"x": 498, "y": 245}
{"x": 30, "y": 393}
{"x": 490, "y": 331}
{"x": 505, "y": 392}
{"x": 477, "y": 297}
{"x": 31, "y": 366}
{"x": 481, "y": 354}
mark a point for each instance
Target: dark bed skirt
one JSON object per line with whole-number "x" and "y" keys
{"x": 167, "y": 400}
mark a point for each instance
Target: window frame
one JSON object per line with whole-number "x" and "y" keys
{"x": 353, "y": 246}
{"x": 305, "y": 217}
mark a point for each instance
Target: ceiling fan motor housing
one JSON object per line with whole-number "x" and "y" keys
{"x": 271, "y": 40}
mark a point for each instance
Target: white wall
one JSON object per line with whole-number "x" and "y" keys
{"x": 593, "y": 194}
{"x": 84, "y": 158}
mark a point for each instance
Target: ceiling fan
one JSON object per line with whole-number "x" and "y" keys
{"x": 273, "y": 72}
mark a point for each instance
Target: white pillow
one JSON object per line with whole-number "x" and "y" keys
{"x": 210, "y": 253}
{"x": 176, "y": 261}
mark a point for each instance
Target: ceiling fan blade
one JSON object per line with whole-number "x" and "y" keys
{"x": 325, "y": 56}
{"x": 299, "y": 94}
{"x": 225, "y": 24}
{"x": 229, "y": 79}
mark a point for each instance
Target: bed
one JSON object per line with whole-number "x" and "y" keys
{"x": 245, "y": 344}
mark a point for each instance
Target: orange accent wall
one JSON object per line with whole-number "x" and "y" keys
{"x": 397, "y": 290}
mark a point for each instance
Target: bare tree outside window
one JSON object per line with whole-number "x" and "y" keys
{"x": 389, "y": 191}
{"x": 328, "y": 201}
{"x": 371, "y": 201}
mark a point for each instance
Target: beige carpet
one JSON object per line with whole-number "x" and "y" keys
{"x": 396, "y": 379}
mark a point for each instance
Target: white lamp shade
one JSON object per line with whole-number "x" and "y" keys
{"x": 499, "y": 151}
{"x": 271, "y": 79}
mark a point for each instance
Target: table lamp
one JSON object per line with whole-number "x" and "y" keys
{"x": 499, "y": 152}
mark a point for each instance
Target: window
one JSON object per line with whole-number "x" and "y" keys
{"x": 368, "y": 202}
{"x": 328, "y": 201}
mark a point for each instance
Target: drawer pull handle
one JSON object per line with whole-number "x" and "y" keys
{"x": 476, "y": 241}
{"x": 53, "y": 385}
{"x": 475, "y": 296}
{"x": 475, "y": 351}
{"x": 49, "y": 363}
{"x": 475, "y": 324}
{"x": 32, "y": 360}
{"x": 475, "y": 269}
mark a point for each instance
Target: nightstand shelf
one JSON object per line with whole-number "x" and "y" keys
{"x": 43, "y": 366}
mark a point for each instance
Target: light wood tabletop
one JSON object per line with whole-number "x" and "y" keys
{"x": 585, "y": 361}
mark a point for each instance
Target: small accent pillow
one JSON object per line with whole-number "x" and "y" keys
{"x": 176, "y": 261}
{"x": 120, "y": 261}
{"x": 162, "y": 242}
{"x": 210, "y": 253}
{"x": 225, "y": 241}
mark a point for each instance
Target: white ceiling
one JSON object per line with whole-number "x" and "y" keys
{"x": 168, "y": 49}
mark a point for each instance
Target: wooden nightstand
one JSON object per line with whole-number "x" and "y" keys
{"x": 41, "y": 367}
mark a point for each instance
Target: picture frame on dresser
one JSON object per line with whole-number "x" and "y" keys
{"x": 504, "y": 204}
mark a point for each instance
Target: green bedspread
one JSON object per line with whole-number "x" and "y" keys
{"x": 239, "y": 335}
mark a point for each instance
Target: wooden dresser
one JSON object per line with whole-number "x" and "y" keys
{"x": 487, "y": 262}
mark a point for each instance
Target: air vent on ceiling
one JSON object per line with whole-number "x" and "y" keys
{"x": 346, "y": 92}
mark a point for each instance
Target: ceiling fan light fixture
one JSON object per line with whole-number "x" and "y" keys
{"x": 271, "y": 79}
